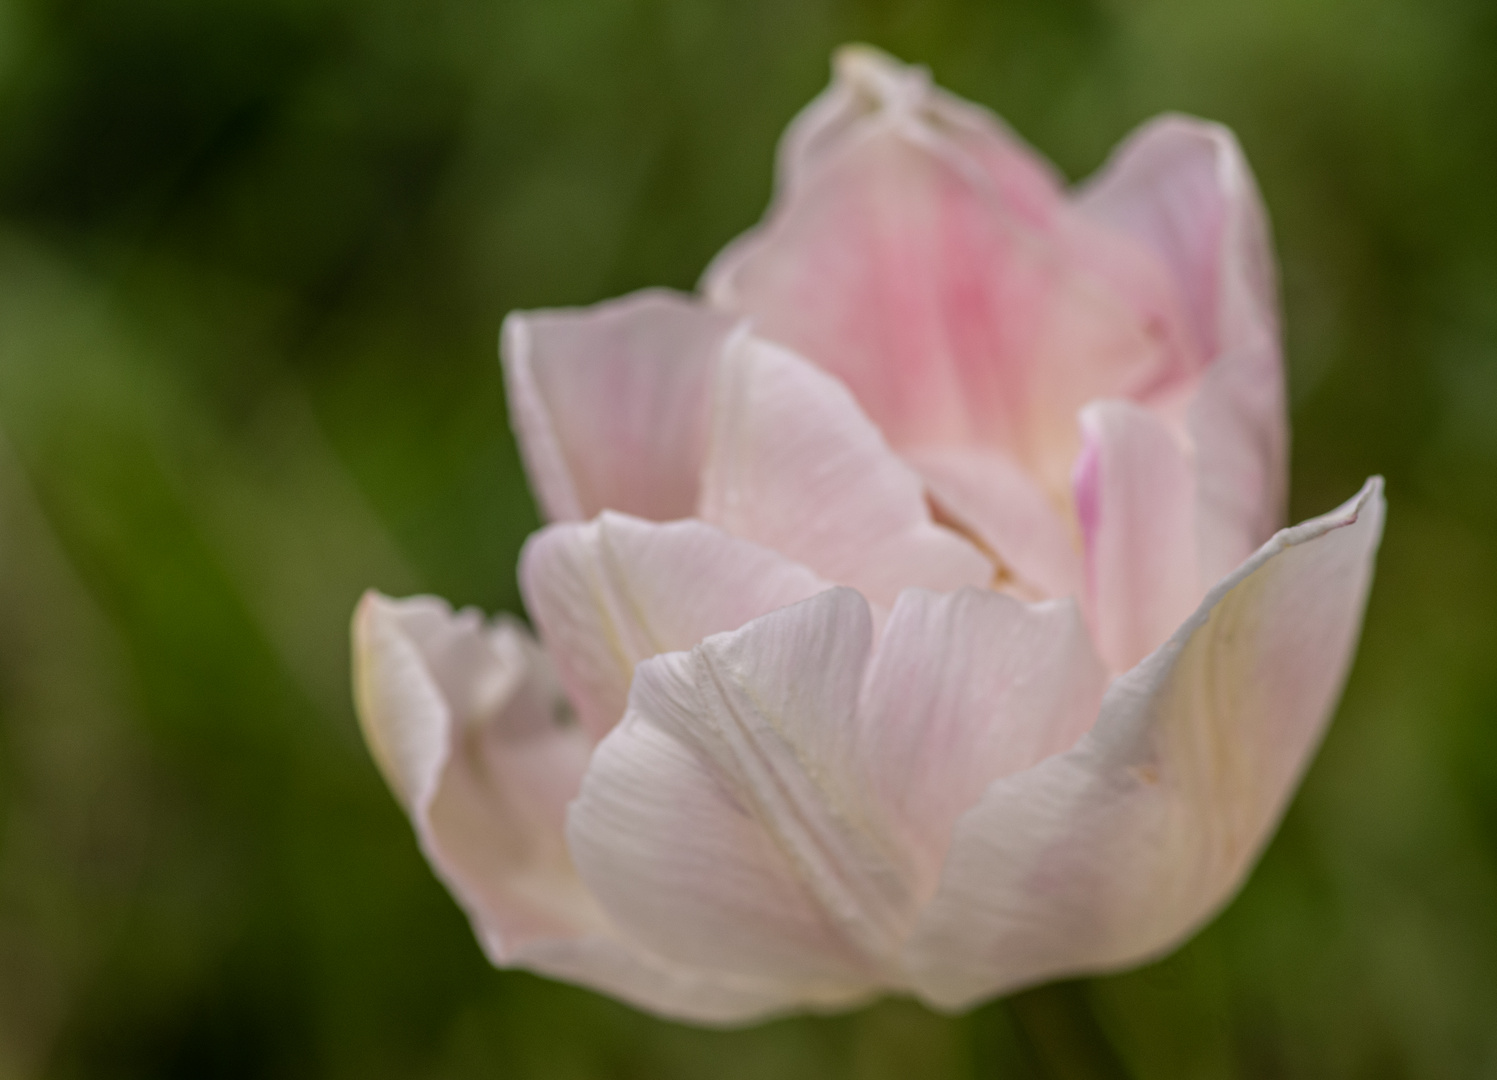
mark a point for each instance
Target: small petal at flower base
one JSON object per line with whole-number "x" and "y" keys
{"x": 915, "y": 614}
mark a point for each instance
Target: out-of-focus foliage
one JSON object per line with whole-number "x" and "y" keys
{"x": 253, "y": 259}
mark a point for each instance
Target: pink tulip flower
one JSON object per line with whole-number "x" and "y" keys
{"x": 914, "y": 614}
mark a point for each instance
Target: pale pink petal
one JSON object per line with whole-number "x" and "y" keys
{"x": 966, "y": 688}
{"x": 794, "y": 465}
{"x": 1183, "y": 187}
{"x": 895, "y": 258}
{"x": 1135, "y": 499}
{"x": 1117, "y": 849}
{"x": 990, "y": 497}
{"x": 466, "y": 721}
{"x": 610, "y": 402}
{"x": 617, "y": 590}
{"x": 868, "y": 80}
{"x": 722, "y": 823}
{"x": 1238, "y": 423}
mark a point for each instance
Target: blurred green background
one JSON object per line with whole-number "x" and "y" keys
{"x": 253, "y": 259}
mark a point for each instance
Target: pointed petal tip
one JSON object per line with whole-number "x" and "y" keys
{"x": 371, "y": 601}
{"x": 877, "y": 73}
{"x": 373, "y": 605}
{"x": 851, "y": 58}
{"x": 520, "y": 320}
{"x": 510, "y": 330}
{"x": 1173, "y": 128}
{"x": 1368, "y": 500}
{"x": 1189, "y": 124}
{"x": 363, "y": 612}
{"x": 1372, "y": 492}
{"x": 399, "y": 710}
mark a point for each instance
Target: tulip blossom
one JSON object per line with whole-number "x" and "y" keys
{"x": 914, "y": 614}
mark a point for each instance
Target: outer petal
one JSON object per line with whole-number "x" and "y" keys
{"x": 1113, "y": 851}
{"x": 722, "y": 823}
{"x": 1183, "y": 187}
{"x": 795, "y": 465}
{"x": 969, "y": 687}
{"x": 898, "y": 257}
{"x": 618, "y": 590}
{"x": 462, "y": 717}
{"x": 1135, "y": 499}
{"x": 610, "y": 403}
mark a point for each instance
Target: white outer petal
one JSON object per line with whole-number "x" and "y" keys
{"x": 724, "y": 824}
{"x": 968, "y": 687}
{"x": 1114, "y": 851}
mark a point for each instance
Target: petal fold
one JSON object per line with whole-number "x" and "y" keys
{"x": 721, "y": 823}
{"x": 463, "y": 718}
{"x": 610, "y": 593}
{"x": 610, "y": 403}
{"x": 1117, "y": 849}
{"x": 992, "y": 498}
{"x": 796, "y": 466}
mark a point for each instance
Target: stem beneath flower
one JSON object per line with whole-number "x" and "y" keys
{"x": 1062, "y": 1036}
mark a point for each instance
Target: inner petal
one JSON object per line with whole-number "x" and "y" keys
{"x": 795, "y": 466}
{"x": 895, "y": 265}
